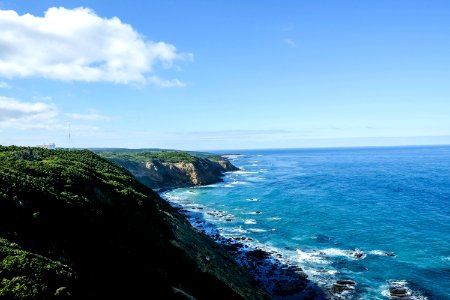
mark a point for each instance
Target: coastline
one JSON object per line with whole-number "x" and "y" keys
{"x": 243, "y": 207}
{"x": 267, "y": 267}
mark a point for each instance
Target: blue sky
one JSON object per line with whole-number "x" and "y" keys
{"x": 204, "y": 75}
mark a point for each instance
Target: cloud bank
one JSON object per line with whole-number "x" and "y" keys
{"x": 92, "y": 116}
{"x": 76, "y": 44}
{"x": 26, "y": 115}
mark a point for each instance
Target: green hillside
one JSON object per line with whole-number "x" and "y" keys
{"x": 73, "y": 224}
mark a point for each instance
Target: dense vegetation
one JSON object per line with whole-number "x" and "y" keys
{"x": 74, "y": 224}
{"x": 168, "y": 156}
{"x": 161, "y": 156}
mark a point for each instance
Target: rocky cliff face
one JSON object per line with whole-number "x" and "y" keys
{"x": 165, "y": 175}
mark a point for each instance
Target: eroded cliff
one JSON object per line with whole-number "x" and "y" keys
{"x": 174, "y": 170}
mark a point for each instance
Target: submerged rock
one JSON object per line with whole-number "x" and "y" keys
{"x": 358, "y": 254}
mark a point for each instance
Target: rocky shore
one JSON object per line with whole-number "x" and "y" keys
{"x": 268, "y": 268}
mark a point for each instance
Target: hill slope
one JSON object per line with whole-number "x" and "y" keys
{"x": 73, "y": 224}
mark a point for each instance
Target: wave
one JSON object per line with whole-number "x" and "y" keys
{"x": 244, "y": 172}
{"x": 254, "y": 213}
{"x": 381, "y": 253}
{"x": 237, "y": 230}
{"x": 236, "y": 182}
{"x": 252, "y": 199}
{"x": 399, "y": 289}
{"x": 257, "y": 230}
{"x": 322, "y": 256}
{"x": 308, "y": 257}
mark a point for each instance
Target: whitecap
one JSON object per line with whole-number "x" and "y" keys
{"x": 314, "y": 257}
{"x": 252, "y": 199}
{"x": 321, "y": 272}
{"x": 377, "y": 252}
{"x": 381, "y": 253}
{"x": 244, "y": 172}
{"x": 274, "y": 218}
{"x": 209, "y": 185}
{"x": 257, "y": 230}
{"x": 171, "y": 197}
{"x": 236, "y": 182}
{"x": 353, "y": 254}
{"x": 249, "y": 221}
{"x": 336, "y": 252}
{"x": 237, "y": 229}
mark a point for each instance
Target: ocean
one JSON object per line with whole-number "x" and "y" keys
{"x": 378, "y": 216}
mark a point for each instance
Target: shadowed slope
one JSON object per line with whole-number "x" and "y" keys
{"x": 114, "y": 236}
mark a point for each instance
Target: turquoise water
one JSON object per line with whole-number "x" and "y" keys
{"x": 318, "y": 207}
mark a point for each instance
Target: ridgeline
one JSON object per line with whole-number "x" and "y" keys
{"x": 74, "y": 225}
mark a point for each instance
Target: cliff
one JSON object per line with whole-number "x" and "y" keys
{"x": 75, "y": 225}
{"x": 172, "y": 169}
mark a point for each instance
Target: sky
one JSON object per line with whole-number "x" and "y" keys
{"x": 210, "y": 75}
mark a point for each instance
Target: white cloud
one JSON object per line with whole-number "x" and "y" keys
{"x": 290, "y": 42}
{"x": 4, "y": 85}
{"x": 43, "y": 98}
{"x": 88, "y": 117}
{"x": 165, "y": 83}
{"x": 26, "y": 115}
{"x": 76, "y": 44}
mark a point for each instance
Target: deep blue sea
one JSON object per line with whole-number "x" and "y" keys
{"x": 319, "y": 207}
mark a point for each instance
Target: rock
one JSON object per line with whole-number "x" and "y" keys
{"x": 346, "y": 282}
{"x": 358, "y": 254}
{"x": 343, "y": 285}
{"x": 398, "y": 292}
{"x": 288, "y": 287}
{"x": 258, "y": 254}
{"x": 166, "y": 174}
{"x": 232, "y": 247}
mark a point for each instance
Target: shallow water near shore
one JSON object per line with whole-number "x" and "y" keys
{"x": 378, "y": 216}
